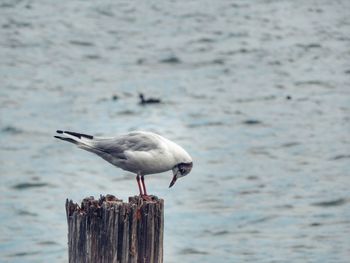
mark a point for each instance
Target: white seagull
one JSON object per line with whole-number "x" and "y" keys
{"x": 139, "y": 152}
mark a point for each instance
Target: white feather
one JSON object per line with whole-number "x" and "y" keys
{"x": 138, "y": 152}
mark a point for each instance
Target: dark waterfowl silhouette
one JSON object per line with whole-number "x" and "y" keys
{"x": 148, "y": 101}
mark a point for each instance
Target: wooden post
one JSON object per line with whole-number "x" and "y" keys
{"x": 108, "y": 230}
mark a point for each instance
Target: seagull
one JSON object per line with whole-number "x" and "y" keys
{"x": 139, "y": 152}
{"x": 148, "y": 101}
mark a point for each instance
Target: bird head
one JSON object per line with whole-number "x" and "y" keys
{"x": 180, "y": 170}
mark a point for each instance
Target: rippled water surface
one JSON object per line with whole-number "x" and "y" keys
{"x": 256, "y": 91}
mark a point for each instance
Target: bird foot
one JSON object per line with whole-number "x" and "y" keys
{"x": 147, "y": 198}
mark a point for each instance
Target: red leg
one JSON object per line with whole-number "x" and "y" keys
{"x": 145, "y": 196}
{"x": 143, "y": 185}
{"x": 138, "y": 183}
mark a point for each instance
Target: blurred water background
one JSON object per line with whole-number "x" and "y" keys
{"x": 270, "y": 181}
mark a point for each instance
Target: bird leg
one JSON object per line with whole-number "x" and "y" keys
{"x": 138, "y": 183}
{"x": 143, "y": 185}
{"x": 145, "y": 196}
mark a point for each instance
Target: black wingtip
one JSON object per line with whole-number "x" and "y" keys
{"x": 79, "y": 135}
{"x": 66, "y": 139}
{"x": 76, "y": 134}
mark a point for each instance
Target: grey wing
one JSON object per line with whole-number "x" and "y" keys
{"x": 108, "y": 146}
{"x": 116, "y": 147}
{"x": 118, "y": 150}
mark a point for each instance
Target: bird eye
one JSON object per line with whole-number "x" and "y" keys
{"x": 182, "y": 170}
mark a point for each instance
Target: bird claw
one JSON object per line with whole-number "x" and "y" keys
{"x": 147, "y": 198}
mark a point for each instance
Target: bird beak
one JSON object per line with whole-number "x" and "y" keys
{"x": 173, "y": 181}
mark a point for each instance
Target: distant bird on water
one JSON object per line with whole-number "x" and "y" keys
{"x": 148, "y": 101}
{"x": 139, "y": 152}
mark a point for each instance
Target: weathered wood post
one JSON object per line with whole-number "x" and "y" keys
{"x": 108, "y": 230}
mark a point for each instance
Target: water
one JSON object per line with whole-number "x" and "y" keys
{"x": 270, "y": 181}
